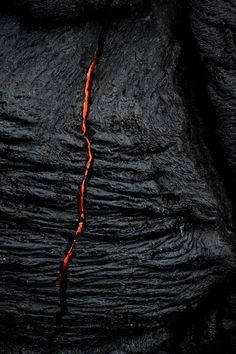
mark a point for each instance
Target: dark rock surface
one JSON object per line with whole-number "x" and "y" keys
{"x": 214, "y": 29}
{"x": 69, "y": 10}
{"x": 154, "y": 269}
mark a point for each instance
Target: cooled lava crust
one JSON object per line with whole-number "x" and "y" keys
{"x": 153, "y": 270}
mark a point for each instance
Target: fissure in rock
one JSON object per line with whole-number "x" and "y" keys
{"x": 87, "y": 168}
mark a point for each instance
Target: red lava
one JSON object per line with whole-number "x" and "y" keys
{"x": 79, "y": 230}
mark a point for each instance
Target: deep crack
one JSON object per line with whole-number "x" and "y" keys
{"x": 87, "y": 168}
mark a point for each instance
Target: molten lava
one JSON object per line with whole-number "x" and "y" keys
{"x": 87, "y": 167}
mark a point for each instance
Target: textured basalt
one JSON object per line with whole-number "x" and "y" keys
{"x": 69, "y": 10}
{"x": 213, "y": 25}
{"x": 154, "y": 268}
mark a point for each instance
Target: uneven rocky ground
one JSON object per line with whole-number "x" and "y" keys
{"x": 154, "y": 269}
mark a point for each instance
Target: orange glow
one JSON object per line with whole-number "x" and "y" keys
{"x": 69, "y": 252}
{"x": 87, "y": 93}
{"x": 79, "y": 230}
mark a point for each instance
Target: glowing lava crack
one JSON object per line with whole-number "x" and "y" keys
{"x": 87, "y": 167}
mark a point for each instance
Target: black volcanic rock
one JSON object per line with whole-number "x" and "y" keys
{"x": 214, "y": 31}
{"x": 64, "y": 10}
{"x": 153, "y": 271}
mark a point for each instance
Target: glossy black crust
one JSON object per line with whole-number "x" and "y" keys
{"x": 155, "y": 268}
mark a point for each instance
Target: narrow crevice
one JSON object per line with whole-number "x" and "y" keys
{"x": 82, "y": 189}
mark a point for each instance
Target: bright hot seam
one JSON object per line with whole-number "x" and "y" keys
{"x": 80, "y": 227}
